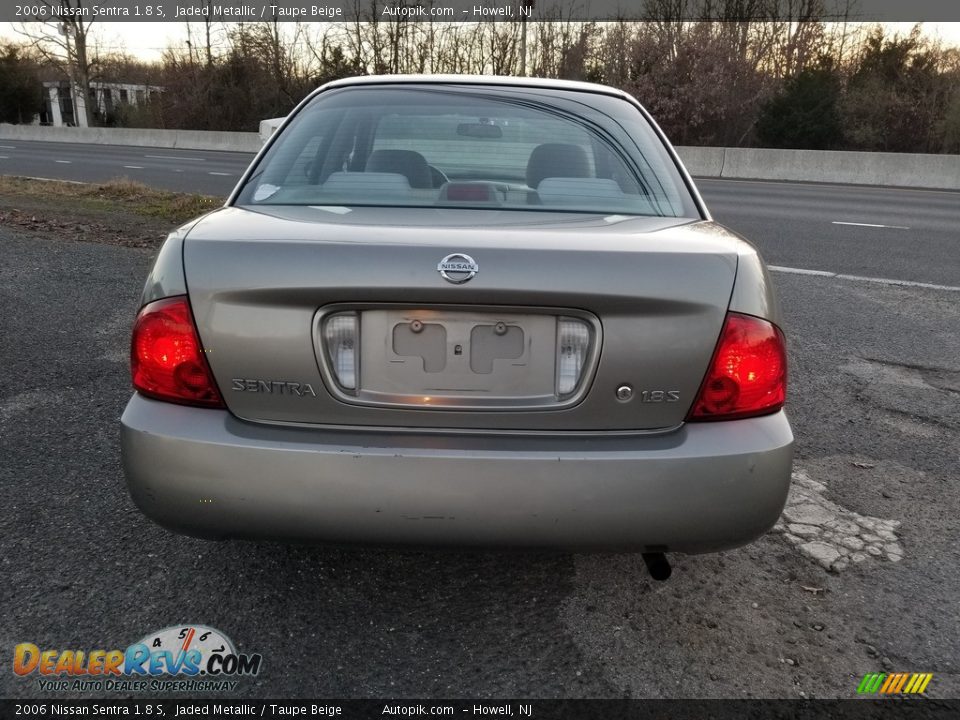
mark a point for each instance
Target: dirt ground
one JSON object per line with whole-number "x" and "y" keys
{"x": 120, "y": 212}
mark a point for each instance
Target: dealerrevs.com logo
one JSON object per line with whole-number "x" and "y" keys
{"x": 183, "y": 658}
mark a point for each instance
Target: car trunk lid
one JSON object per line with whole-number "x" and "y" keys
{"x": 651, "y": 294}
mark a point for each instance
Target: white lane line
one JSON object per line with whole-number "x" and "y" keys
{"x": 862, "y": 278}
{"x": 134, "y": 167}
{"x": 8, "y": 147}
{"x": 4, "y": 157}
{"x": 175, "y": 157}
{"x": 64, "y": 162}
{"x": 892, "y": 227}
{"x": 219, "y": 173}
{"x": 801, "y": 271}
{"x": 904, "y": 283}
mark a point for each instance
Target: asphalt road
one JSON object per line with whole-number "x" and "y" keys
{"x": 875, "y": 383}
{"x": 210, "y": 172}
{"x": 877, "y": 232}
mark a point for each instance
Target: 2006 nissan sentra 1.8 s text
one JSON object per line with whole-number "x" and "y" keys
{"x": 464, "y": 311}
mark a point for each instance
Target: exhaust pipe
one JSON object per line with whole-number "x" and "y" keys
{"x": 657, "y": 565}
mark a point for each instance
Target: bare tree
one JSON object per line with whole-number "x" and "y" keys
{"x": 668, "y": 20}
{"x": 63, "y": 42}
{"x": 207, "y": 23}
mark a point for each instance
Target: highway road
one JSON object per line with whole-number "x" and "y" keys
{"x": 874, "y": 397}
{"x": 881, "y": 233}
{"x": 867, "y": 231}
{"x": 209, "y": 172}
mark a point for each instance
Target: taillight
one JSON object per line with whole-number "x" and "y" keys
{"x": 748, "y": 373}
{"x": 166, "y": 359}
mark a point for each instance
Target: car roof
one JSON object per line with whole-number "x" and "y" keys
{"x": 498, "y": 80}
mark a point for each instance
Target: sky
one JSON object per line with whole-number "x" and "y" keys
{"x": 148, "y": 40}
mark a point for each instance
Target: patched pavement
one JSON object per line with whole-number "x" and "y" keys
{"x": 830, "y": 535}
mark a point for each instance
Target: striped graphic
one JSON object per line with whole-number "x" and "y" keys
{"x": 894, "y": 683}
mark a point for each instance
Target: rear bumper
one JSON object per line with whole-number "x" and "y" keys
{"x": 704, "y": 487}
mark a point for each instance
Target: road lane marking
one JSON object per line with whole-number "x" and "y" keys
{"x": 863, "y": 278}
{"x": 4, "y": 157}
{"x": 801, "y": 271}
{"x": 64, "y": 162}
{"x": 889, "y": 281}
{"x": 134, "y": 167}
{"x": 175, "y": 157}
{"x": 8, "y": 147}
{"x": 222, "y": 174}
{"x": 871, "y": 225}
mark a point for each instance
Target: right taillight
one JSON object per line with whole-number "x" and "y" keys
{"x": 748, "y": 373}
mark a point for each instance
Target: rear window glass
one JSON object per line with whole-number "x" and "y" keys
{"x": 476, "y": 147}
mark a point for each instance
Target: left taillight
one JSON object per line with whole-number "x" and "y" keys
{"x": 167, "y": 361}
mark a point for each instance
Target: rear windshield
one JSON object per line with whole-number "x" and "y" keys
{"x": 476, "y": 147}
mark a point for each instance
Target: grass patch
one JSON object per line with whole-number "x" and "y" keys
{"x": 122, "y": 195}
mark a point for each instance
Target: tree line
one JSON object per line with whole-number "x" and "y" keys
{"x": 799, "y": 82}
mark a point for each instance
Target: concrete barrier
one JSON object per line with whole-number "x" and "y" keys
{"x": 702, "y": 161}
{"x": 856, "y": 168}
{"x": 182, "y": 139}
{"x": 820, "y": 166}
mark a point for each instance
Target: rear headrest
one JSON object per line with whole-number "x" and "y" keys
{"x": 556, "y": 160}
{"x": 412, "y": 165}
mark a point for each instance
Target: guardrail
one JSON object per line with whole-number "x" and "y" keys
{"x": 853, "y": 168}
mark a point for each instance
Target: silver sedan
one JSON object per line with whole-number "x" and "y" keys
{"x": 466, "y": 311}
